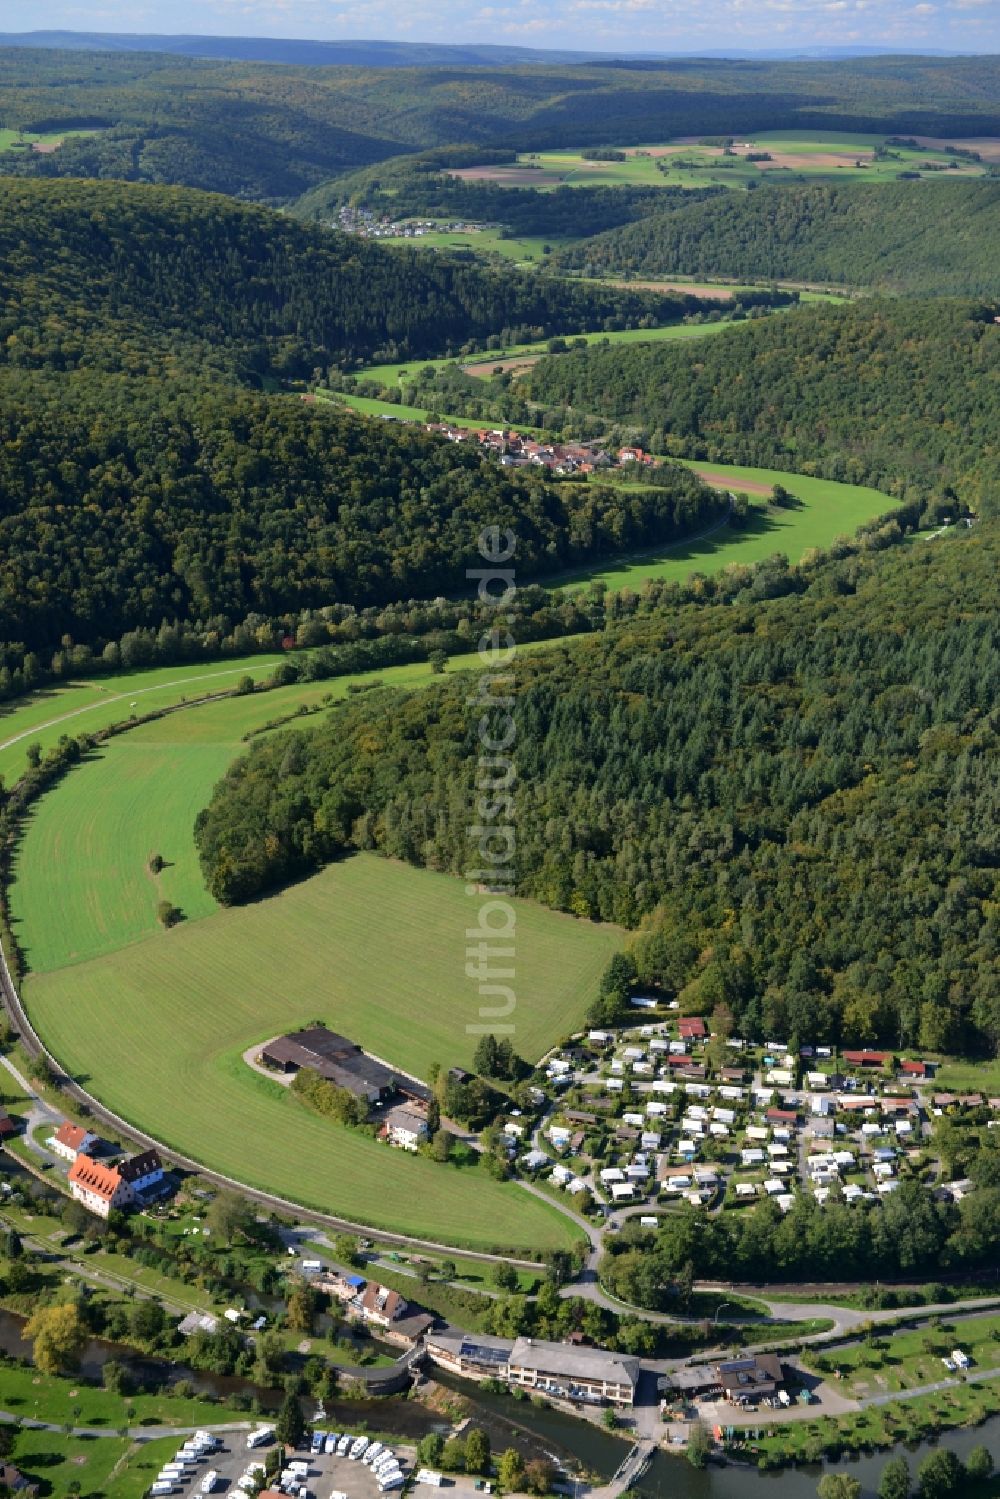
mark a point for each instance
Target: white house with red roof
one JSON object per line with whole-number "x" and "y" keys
{"x": 70, "y": 1140}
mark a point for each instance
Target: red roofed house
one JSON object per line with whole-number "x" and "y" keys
{"x": 70, "y": 1140}
{"x": 101, "y": 1188}
{"x": 692, "y": 1028}
{"x": 782, "y": 1116}
{"x": 8, "y": 1126}
{"x": 867, "y": 1058}
{"x": 379, "y": 1304}
{"x": 913, "y": 1069}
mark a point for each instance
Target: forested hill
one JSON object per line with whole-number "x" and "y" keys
{"x": 799, "y": 794}
{"x": 127, "y": 502}
{"x": 130, "y": 277}
{"x": 933, "y": 238}
{"x": 271, "y": 132}
{"x": 902, "y": 394}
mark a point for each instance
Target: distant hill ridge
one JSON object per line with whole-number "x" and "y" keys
{"x": 347, "y": 53}
{"x": 928, "y": 238}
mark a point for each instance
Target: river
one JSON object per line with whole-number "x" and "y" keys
{"x": 674, "y": 1477}
{"x": 537, "y": 1431}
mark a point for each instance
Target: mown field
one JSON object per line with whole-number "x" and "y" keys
{"x": 805, "y": 154}
{"x": 825, "y": 510}
{"x": 82, "y": 883}
{"x": 158, "y": 1030}
{"x": 521, "y": 249}
{"x": 156, "y": 1022}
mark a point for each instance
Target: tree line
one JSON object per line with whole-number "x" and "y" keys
{"x": 128, "y": 503}
{"x": 272, "y": 132}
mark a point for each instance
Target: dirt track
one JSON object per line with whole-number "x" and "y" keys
{"x": 726, "y": 481}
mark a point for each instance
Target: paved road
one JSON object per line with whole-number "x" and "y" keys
{"x": 136, "y": 1433}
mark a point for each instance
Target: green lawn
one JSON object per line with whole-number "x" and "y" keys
{"x": 140, "y": 1468}
{"x": 968, "y": 1077}
{"x": 522, "y": 249}
{"x": 56, "y": 1461}
{"x": 158, "y": 1029}
{"x": 912, "y": 1359}
{"x": 828, "y": 510}
{"x": 61, "y": 1400}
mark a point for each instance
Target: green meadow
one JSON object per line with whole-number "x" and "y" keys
{"x": 82, "y": 883}
{"x": 824, "y": 511}
{"x": 156, "y": 1022}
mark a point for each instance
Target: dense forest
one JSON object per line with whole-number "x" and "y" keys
{"x": 901, "y": 394}
{"x": 929, "y": 238}
{"x": 272, "y": 132}
{"x": 127, "y": 502}
{"x": 794, "y": 790}
{"x": 125, "y": 277}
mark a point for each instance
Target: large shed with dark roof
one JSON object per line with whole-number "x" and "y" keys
{"x": 341, "y": 1062}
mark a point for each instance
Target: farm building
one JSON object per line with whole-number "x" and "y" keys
{"x": 341, "y": 1062}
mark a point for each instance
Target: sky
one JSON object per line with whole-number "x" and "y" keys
{"x": 588, "y": 25}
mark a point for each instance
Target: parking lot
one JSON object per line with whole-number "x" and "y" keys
{"x": 326, "y": 1473}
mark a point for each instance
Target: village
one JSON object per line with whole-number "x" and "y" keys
{"x": 369, "y": 225}
{"x": 515, "y": 450}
